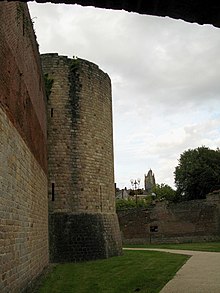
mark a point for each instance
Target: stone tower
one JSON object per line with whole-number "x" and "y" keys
{"x": 149, "y": 181}
{"x": 83, "y": 224}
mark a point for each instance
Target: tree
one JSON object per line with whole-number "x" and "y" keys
{"x": 164, "y": 191}
{"x": 197, "y": 173}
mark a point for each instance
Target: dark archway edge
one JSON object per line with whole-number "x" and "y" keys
{"x": 199, "y": 11}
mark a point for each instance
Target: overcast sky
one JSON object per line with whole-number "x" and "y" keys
{"x": 165, "y": 80}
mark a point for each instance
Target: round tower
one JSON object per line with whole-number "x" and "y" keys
{"x": 83, "y": 223}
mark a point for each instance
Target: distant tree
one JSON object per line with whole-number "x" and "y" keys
{"x": 197, "y": 173}
{"x": 164, "y": 191}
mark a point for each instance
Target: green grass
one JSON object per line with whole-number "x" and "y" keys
{"x": 135, "y": 271}
{"x": 208, "y": 246}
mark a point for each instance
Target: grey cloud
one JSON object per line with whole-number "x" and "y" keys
{"x": 152, "y": 55}
{"x": 165, "y": 76}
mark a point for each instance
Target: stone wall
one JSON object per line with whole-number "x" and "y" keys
{"x": 23, "y": 164}
{"x": 193, "y": 221}
{"x": 83, "y": 221}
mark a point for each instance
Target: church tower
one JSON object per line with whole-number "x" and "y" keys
{"x": 149, "y": 181}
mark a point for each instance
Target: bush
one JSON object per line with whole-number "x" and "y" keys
{"x": 124, "y": 204}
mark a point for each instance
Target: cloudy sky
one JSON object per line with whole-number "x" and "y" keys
{"x": 165, "y": 81}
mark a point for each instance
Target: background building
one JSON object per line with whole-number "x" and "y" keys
{"x": 149, "y": 181}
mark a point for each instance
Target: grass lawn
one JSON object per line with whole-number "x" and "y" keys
{"x": 135, "y": 271}
{"x": 208, "y": 246}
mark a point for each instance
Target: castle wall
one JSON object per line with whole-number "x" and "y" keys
{"x": 23, "y": 159}
{"x": 83, "y": 221}
{"x": 192, "y": 221}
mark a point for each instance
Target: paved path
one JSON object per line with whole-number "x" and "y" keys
{"x": 200, "y": 274}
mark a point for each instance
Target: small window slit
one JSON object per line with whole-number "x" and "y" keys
{"x": 53, "y": 191}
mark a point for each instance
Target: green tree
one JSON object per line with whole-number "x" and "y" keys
{"x": 197, "y": 173}
{"x": 164, "y": 191}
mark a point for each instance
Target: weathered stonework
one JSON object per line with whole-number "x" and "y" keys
{"x": 84, "y": 236}
{"x": 192, "y": 221}
{"x": 23, "y": 157}
{"x": 83, "y": 222}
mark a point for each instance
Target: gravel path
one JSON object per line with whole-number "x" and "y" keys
{"x": 200, "y": 274}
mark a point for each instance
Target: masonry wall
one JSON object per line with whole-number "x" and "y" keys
{"x": 83, "y": 221}
{"x": 192, "y": 221}
{"x": 23, "y": 158}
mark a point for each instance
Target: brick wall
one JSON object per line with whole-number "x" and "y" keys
{"x": 23, "y": 210}
{"x": 21, "y": 83}
{"x": 80, "y": 161}
{"x": 197, "y": 220}
{"x": 23, "y": 158}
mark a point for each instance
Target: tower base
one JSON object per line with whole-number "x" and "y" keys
{"x": 84, "y": 236}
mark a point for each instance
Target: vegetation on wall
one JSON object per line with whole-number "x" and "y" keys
{"x": 24, "y": 19}
{"x": 48, "y": 82}
{"x": 75, "y": 62}
{"x": 75, "y": 84}
{"x": 198, "y": 173}
{"x": 75, "y": 87}
{"x": 130, "y": 203}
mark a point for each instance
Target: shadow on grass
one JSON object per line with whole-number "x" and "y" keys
{"x": 135, "y": 271}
